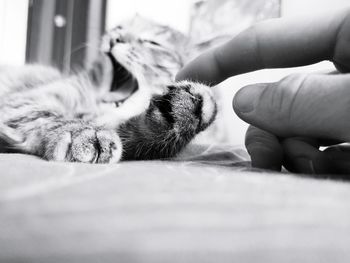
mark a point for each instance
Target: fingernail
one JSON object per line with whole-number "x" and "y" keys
{"x": 305, "y": 165}
{"x": 247, "y": 98}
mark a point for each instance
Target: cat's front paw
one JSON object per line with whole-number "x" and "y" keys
{"x": 187, "y": 108}
{"x": 84, "y": 144}
{"x": 170, "y": 123}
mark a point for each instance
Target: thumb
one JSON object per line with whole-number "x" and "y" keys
{"x": 299, "y": 105}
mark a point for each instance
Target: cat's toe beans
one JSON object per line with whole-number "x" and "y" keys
{"x": 204, "y": 105}
{"x": 187, "y": 106}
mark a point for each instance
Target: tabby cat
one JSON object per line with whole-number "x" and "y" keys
{"x": 125, "y": 106}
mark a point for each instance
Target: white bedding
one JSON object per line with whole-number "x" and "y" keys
{"x": 204, "y": 207}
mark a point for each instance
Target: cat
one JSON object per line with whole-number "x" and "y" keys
{"x": 125, "y": 106}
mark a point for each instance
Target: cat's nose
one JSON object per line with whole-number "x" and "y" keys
{"x": 113, "y": 41}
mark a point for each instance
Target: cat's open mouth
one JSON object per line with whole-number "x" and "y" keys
{"x": 124, "y": 82}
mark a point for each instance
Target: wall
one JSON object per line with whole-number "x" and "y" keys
{"x": 297, "y": 7}
{"x": 174, "y": 13}
{"x": 13, "y": 31}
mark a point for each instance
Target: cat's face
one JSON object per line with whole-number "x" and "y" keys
{"x": 143, "y": 53}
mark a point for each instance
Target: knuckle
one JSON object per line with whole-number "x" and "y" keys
{"x": 288, "y": 92}
{"x": 279, "y": 103}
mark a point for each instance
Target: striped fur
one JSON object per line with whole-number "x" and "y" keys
{"x": 125, "y": 106}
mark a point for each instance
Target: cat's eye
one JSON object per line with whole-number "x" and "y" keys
{"x": 152, "y": 42}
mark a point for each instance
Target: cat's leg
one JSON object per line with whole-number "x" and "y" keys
{"x": 22, "y": 78}
{"x": 170, "y": 123}
{"x": 46, "y": 120}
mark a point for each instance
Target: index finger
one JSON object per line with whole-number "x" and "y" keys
{"x": 275, "y": 43}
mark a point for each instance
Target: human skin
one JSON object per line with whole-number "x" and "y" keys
{"x": 292, "y": 118}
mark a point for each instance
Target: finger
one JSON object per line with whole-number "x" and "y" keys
{"x": 340, "y": 156}
{"x": 284, "y": 42}
{"x": 315, "y": 106}
{"x": 302, "y": 155}
{"x": 264, "y": 149}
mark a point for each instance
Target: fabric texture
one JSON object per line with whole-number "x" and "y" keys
{"x": 206, "y": 206}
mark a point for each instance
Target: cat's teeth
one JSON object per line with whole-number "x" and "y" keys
{"x": 118, "y": 104}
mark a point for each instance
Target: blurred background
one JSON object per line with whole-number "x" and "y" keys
{"x": 65, "y": 34}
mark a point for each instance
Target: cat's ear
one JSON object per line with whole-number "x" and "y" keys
{"x": 139, "y": 23}
{"x": 139, "y": 19}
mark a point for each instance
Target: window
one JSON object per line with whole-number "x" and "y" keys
{"x": 64, "y": 33}
{"x": 13, "y": 30}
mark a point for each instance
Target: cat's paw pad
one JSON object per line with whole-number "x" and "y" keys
{"x": 187, "y": 107}
{"x": 86, "y": 145}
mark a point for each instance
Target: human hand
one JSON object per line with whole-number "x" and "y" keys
{"x": 291, "y": 118}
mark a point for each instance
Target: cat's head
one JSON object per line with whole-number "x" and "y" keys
{"x": 140, "y": 52}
